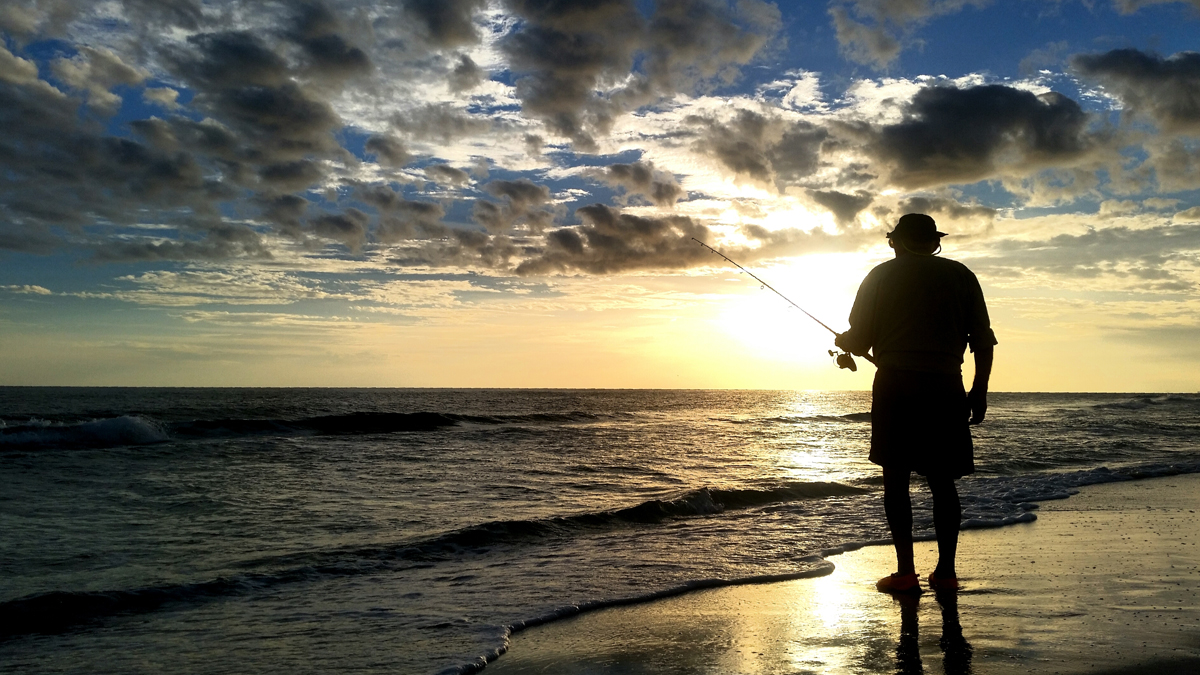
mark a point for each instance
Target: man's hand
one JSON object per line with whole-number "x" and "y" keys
{"x": 839, "y": 341}
{"x": 977, "y": 403}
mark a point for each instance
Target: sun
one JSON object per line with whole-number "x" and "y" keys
{"x": 822, "y": 284}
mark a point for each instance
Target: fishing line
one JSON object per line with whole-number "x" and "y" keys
{"x": 844, "y": 359}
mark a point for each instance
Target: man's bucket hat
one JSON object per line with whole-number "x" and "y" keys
{"x": 915, "y": 227}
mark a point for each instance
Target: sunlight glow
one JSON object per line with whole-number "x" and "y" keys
{"x": 823, "y": 284}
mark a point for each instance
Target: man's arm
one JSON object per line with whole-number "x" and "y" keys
{"x": 977, "y": 399}
{"x": 858, "y": 339}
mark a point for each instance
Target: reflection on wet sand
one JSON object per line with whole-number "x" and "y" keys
{"x": 833, "y": 624}
{"x": 956, "y": 651}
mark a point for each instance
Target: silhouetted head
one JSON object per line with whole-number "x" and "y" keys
{"x": 915, "y": 233}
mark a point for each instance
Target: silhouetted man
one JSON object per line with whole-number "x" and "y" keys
{"x": 918, "y": 313}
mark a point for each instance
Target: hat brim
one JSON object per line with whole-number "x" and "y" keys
{"x": 938, "y": 235}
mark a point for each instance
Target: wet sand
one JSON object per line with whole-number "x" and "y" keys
{"x": 1106, "y": 581}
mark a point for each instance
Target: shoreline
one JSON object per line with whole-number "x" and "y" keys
{"x": 1014, "y": 612}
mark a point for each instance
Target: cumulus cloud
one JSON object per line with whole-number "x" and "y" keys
{"x": 765, "y": 149}
{"x": 466, "y": 75}
{"x": 447, "y": 175}
{"x": 522, "y": 201}
{"x": 641, "y": 178}
{"x": 1142, "y": 256}
{"x": 951, "y": 135}
{"x": 446, "y": 23}
{"x": 872, "y": 32}
{"x": 1162, "y": 89}
{"x": 844, "y": 207}
{"x": 611, "y": 241}
{"x": 577, "y": 60}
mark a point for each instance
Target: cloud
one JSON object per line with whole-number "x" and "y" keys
{"x": 466, "y": 75}
{"x": 28, "y": 289}
{"x": 610, "y": 241}
{"x": 389, "y": 150}
{"x": 844, "y": 207}
{"x": 1155, "y": 254}
{"x": 765, "y": 149}
{"x": 447, "y": 175}
{"x": 1131, "y": 6}
{"x": 576, "y": 61}
{"x": 409, "y": 219}
{"x": 1162, "y": 89}
{"x": 870, "y": 31}
{"x": 641, "y": 178}
{"x": 97, "y": 71}
{"x": 348, "y": 227}
{"x": 1044, "y": 57}
{"x": 862, "y": 43}
{"x": 446, "y": 23}
{"x": 16, "y": 70}
{"x": 951, "y": 135}
{"x": 163, "y": 96}
{"x": 522, "y": 198}
{"x": 441, "y": 122}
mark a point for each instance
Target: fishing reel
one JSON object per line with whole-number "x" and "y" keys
{"x": 844, "y": 360}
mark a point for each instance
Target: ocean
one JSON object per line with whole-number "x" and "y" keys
{"x": 412, "y": 530}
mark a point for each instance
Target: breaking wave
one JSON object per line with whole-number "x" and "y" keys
{"x": 114, "y": 431}
{"x": 135, "y": 430}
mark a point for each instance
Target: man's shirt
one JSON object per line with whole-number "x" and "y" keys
{"x": 919, "y": 313}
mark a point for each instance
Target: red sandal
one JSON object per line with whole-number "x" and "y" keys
{"x": 899, "y": 583}
{"x": 942, "y": 583}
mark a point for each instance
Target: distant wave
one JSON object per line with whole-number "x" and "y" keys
{"x": 800, "y": 419}
{"x": 134, "y": 430}
{"x": 114, "y": 431}
{"x": 1140, "y": 402}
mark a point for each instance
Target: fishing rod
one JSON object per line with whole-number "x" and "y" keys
{"x": 844, "y": 359}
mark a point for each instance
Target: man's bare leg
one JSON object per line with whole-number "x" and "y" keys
{"x": 947, "y": 516}
{"x": 898, "y": 507}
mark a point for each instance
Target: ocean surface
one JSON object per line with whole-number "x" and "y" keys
{"x": 411, "y": 531}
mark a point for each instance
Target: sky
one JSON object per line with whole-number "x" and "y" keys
{"x": 504, "y": 193}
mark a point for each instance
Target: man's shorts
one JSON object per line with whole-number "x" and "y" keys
{"x": 919, "y": 423}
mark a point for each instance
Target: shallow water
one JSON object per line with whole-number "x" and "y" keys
{"x": 229, "y": 530}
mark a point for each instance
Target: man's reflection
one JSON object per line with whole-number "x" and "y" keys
{"x": 955, "y": 648}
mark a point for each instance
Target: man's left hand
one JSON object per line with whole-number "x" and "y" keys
{"x": 977, "y": 403}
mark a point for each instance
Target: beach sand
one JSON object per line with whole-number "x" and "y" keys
{"x": 1105, "y": 581}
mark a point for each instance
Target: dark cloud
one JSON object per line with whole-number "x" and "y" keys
{"x": 568, "y": 51}
{"x": 952, "y": 135}
{"x": 291, "y": 176}
{"x": 348, "y": 227}
{"x": 610, "y": 241}
{"x": 641, "y": 178}
{"x": 410, "y": 219}
{"x": 1161, "y": 89}
{"x": 522, "y": 199}
{"x": 844, "y": 207}
{"x": 388, "y": 150}
{"x": 446, "y": 23}
{"x": 286, "y": 212}
{"x": 447, "y": 175}
{"x": 219, "y": 243}
{"x": 316, "y": 29}
{"x": 440, "y": 121}
{"x": 466, "y": 75}
{"x": 764, "y": 149}
{"x": 950, "y": 208}
{"x": 871, "y": 31}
